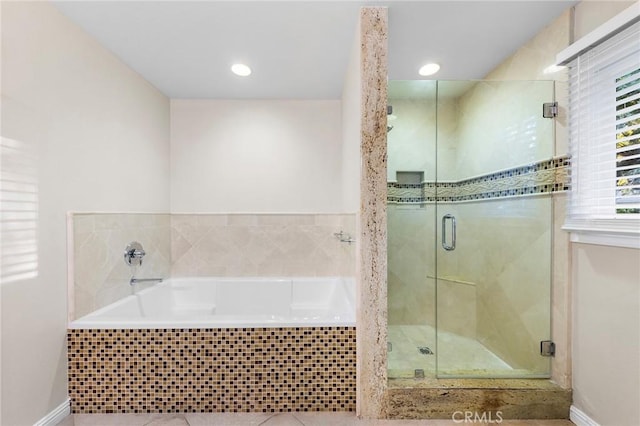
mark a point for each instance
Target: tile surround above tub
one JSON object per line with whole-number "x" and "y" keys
{"x": 223, "y": 245}
{"x": 100, "y": 276}
{"x": 542, "y": 177}
{"x": 234, "y": 245}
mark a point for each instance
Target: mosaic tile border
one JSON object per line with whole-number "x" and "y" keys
{"x": 212, "y": 370}
{"x": 543, "y": 177}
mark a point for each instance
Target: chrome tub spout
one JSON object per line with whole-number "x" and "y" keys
{"x": 133, "y": 281}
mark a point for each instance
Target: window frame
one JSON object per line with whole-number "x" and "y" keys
{"x": 616, "y": 231}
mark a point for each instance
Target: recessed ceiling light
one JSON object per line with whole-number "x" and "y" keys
{"x": 429, "y": 69}
{"x": 240, "y": 69}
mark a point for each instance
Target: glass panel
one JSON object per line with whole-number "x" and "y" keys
{"x": 493, "y": 280}
{"x": 411, "y": 143}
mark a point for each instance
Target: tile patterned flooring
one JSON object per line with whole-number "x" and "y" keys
{"x": 267, "y": 419}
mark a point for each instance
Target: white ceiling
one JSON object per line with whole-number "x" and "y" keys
{"x": 300, "y": 49}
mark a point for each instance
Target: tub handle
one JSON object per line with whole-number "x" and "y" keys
{"x": 134, "y": 253}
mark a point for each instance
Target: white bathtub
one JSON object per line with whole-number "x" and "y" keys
{"x": 231, "y": 303}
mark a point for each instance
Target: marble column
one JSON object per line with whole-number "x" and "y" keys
{"x": 372, "y": 234}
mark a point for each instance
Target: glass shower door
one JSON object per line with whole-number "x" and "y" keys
{"x": 411, "y": 141}
{"x": 493, "y": 225}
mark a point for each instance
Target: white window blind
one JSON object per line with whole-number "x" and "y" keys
{"x": 604, "y": 134}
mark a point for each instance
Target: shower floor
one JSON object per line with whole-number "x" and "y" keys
{"x": 458, "y": 355}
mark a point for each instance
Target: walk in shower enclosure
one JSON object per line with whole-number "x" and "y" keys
{"x": 471, "y": 169}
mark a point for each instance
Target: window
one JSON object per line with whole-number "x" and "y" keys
{"x": 604, "y": 135}
{"x": 628, "y": 142}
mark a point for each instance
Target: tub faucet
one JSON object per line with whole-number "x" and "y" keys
{"x": 134, "y": 253}
{"x": 134, "y": 280}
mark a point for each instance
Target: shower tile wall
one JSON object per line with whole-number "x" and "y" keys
{"x": 499, "y": 127}
{"x": 100, "y": 276}
{"x": 531, "y": 62}
{"x": 411, "y": 263}
{"x": 411, "y": 143}
{"x": 411, "y": 235}
{"x": 232, "y": 245}
{"x": 512, "y": 275}
{"x": 493, "y": 287}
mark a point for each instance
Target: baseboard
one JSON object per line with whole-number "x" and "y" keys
{"x": 56, "y": 415}
{"x": 580, "y": 418}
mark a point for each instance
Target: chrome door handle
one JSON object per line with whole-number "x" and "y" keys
{"x": 446, "y": 246}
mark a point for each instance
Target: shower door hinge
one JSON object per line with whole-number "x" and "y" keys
{"x": 550, "y": 109}
{"x": 547, "y": 348}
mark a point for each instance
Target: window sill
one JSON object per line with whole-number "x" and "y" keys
{"x": 604, "y": 237}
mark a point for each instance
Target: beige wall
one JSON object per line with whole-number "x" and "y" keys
{"x": 351, "y": 123}
{"x": 606, "y": 333}
{"x": 256, "y": 156}
{"x": 591, "y": 14}
{"x": 101, "y": 138}
{"x": 606, "y": 304}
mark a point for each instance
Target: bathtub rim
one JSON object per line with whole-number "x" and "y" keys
{"x": 90, "y": 322}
